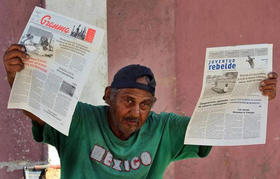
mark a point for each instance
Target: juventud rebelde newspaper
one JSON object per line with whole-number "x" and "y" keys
{"x": 231, "y": 110}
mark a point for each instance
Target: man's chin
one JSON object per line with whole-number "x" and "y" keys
{"x": 131, "y": 130}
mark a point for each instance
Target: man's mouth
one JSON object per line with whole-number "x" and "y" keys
{"x": 133, "y": 121}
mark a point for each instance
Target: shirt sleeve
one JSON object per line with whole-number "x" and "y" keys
{"x": 174, "y": 136}
{"x": 37, "y": 131}
{"x": 49, "y": 135}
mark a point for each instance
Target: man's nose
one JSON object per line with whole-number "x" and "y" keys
{"x": 135, "y": 111}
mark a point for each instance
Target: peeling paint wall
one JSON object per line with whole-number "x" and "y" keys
{"x": 17, "y": 148}
{"x": 143, "y": 32}
{"x": 171, "y": 37}
{"x": 92, "y": 12}
{"x": 201, "y": 24}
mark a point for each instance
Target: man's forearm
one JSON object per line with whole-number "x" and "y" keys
{"x": 34, "y": 118}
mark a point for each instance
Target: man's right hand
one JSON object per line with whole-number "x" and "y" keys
{"x": 13, "y": 60}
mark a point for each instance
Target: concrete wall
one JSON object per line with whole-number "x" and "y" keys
{"x": 201, "y": 24}
{"x": 143, "y": 32}
{"x": 17, "y": 148}
{"x": 171, "y": 36}
{"x": 92, "y": 12}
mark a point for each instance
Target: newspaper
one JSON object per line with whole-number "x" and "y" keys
{"x": 61, "y": 52}
{"x": 231, "y": 110}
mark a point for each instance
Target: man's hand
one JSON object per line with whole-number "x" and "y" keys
{"x": 268, "y": 86}
{"x": 13, "y": 60}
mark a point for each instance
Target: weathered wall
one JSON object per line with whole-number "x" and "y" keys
{"x": 92, "y": 12}
{"x": 171, "y": 36}
{"x": 201, "y": 24}
{"x": 143, "y": 32}
{"x": 17, "y": 147}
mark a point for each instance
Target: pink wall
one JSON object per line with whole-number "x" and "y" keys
{"x": 17, "y": 147}
{"x": 142, "y": 32}
{"x": 171, "y": 36}
{"x": 201, "y": 24}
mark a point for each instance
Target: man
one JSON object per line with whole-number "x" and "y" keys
{"x": 124, "y": 139}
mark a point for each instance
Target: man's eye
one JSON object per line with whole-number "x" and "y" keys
{"x": 145, "y": 105}
{"x": 129, "y": 100}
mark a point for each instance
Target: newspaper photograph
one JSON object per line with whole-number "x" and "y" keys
{"x": 231, "y": 110}
{"x": 62, "y": 51}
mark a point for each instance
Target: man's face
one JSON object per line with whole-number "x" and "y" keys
{"x": 129, "y": 111}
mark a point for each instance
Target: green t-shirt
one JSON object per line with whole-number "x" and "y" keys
{"x": 92, "y": 151}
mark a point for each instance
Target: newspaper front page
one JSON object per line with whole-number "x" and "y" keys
{"x": 231, "y": 110}
{"x": 61, "y": 52}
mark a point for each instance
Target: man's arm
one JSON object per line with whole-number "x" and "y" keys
{"x": 13, "y": 62}
{"x": 268, "y": 86}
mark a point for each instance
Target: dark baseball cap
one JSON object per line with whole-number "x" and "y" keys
{"x": 126, "y": 78}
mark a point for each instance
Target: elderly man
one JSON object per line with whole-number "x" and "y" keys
{"x": 123, "y": 139}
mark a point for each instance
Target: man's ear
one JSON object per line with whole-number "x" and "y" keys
{"x": 154, "y": 100}
{"x": 107, "y": 94}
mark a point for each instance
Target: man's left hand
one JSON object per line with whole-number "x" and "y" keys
{"x": 268, "y": 85}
